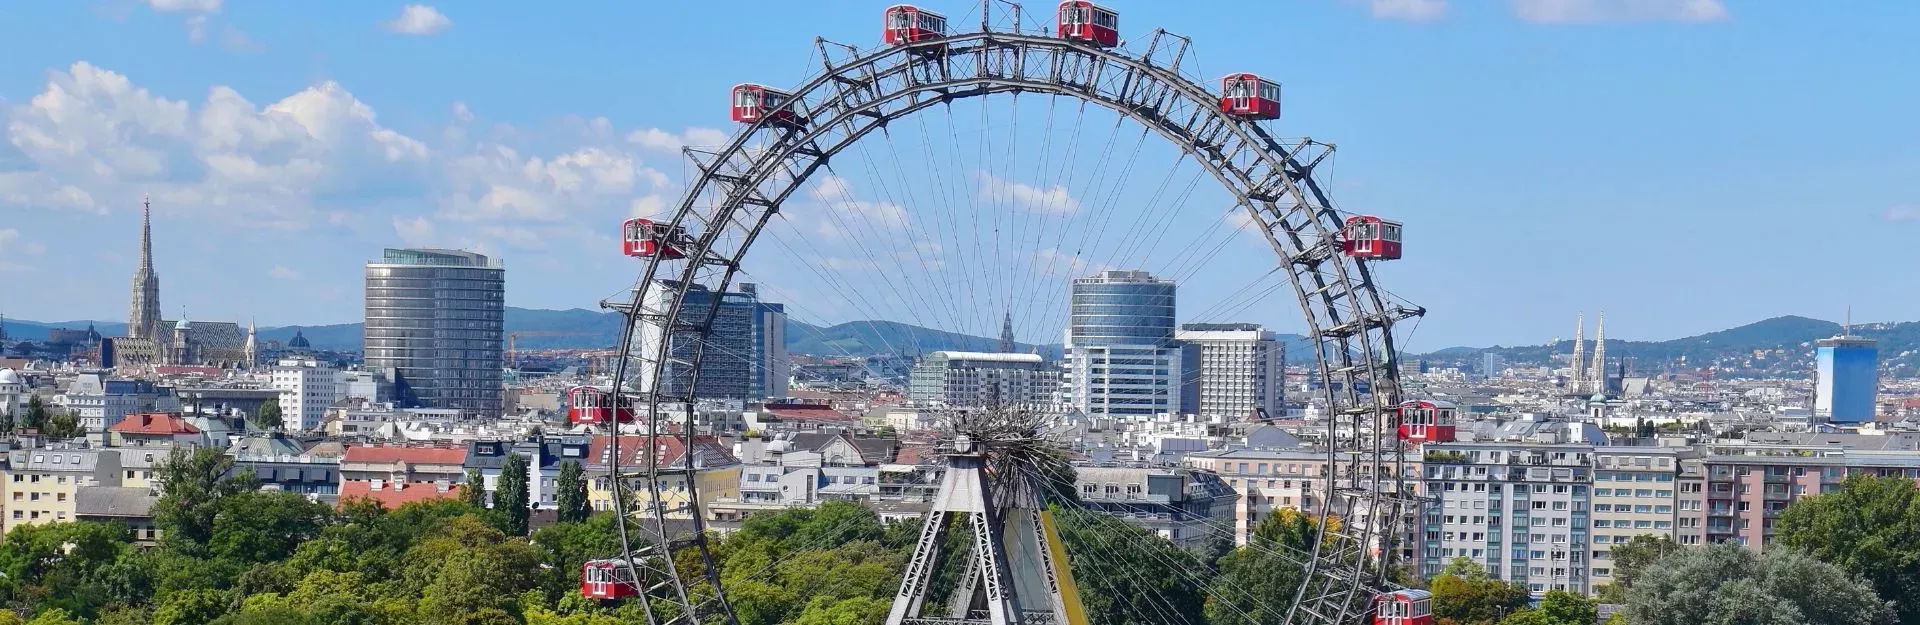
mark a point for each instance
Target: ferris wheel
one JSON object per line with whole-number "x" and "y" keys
{"x": 951, "y": 184}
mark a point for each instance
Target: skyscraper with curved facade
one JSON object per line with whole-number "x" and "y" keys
{"x": 434, "y": 323}
{"x": 1121, "y": 357}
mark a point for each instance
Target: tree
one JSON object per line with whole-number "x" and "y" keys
{"x": 268, "y": 416}
{"x": 63, "y": 425}
{"x": 1465, "y": 594}
{"x": 474, "y": 492}
{"x": 265, "y": 527}
{"x": 510, "y": 497}
{"x": 572, "y": 495}
{"x": 192, "y": 484}
{"x": 1632, "y": 557}
{"x": 1128, "y": 575}
{"x": 192, "y": 607}
{"x": 1256, "y": 582}
{"x": 6, "y": 421}
{"x": 1727, "y": 583}
{"x": 36, "y": 414}
{"x": 1871, "y": 527}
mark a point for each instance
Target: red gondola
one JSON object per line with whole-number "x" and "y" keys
{"x": 1403, "y": 607}
{"x": 644, "y": 238}
{"x": 594, "y": 404}
{"x": 907, "y": 24}
{"x": 607, "y": 579}
{"x": 1085, "y": 21}
{"x": 1249, "y": 96}
{"x": 1371, "y": 237}
{"x": 1427, "y": 421}
{"x": 752, "y": 103}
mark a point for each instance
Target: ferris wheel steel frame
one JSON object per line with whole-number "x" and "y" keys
{"x": 1350, "y": 320}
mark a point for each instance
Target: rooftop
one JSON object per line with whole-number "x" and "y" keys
{"x": 154, "y": 424}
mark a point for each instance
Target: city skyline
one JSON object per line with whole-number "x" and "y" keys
{"x": 387, "y": 151}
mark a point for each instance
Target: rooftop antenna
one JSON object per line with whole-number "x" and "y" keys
{"x": 1846, "y": 323}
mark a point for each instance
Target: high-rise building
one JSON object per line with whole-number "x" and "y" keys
{"x": 1846, "y": 378}
{"x": 435, "y": 320}
{"x": 1121, "y": 356}
{"x": 746, "y": 350}
{"x": 1492, "y": 364}
{"x": 307, "y": 388}
{"x": 1242, "y": 369}
{"x": 980, "y": 380}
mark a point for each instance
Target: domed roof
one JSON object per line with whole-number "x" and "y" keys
{"x": 9, "y": 376}
{"x": 299, "y": 341}
{"x": 183, "y": 326}
{"x": 1598, "y": 397}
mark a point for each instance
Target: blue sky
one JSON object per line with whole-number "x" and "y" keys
{"x": 1685, "y": 165}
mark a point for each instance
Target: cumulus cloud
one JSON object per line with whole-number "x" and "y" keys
{"x": 185, "y": 6}
{"x": 1409, "y": 10}
{"x": 835, "y": 194}
{"x": 664, "y": 141}
{"x": 1057, "y": 263}
{"x": 1054, "y": 199}
{"x": 1240, "y": 220}
{"x": 417, "y": 19}
{"x": 92, "y": 140}
{"x": 1603, "y": 11}
{"x": 282, "y": 273}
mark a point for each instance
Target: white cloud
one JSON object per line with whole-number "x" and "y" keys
{"x": 664, "y": 141}
{"x": 282, "y": 273}
{"x": 835, "y": 194}
{"x": 1903, "y": 212}
{"x": 1057, "y": 263}
{"x": 418, "y": 19}
{"x": 1410, "y": 10}
{"x": 651, "y": 206}
{"x": 12, "y": 248}
{"x": 1601, "y": 11}
{"x": 1240, "y": 220}
{"x": 93, "y": 140}
{"x": 185, "y": 6}
{"x": 1054, "y": 199}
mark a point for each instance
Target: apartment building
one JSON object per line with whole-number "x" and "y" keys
{"x": 1635, "y": 492}
{"x": 1185, "y": 506}
{"x": 716, "y": 474}
{"x": 1748, "y": 486}
{"x": 1519, "y": 510}
{"x": 42, "y": 485}
{"x": 1267, "y": 480}
{"x": 395, "y": 476}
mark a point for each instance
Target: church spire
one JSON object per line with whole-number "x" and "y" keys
{"x": 1006, "y": 333}
{"x": 1579, "y": 361}
{"x": 143, "y": 316}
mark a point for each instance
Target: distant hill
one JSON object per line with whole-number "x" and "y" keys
{"x": 1780, "y": 346}
{"x": 863, "y": 338}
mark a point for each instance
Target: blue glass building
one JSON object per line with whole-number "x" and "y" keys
{"x": 1847, "y": 377}
{"x": 1121, "y": 356}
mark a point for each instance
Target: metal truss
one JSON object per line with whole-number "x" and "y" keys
{"x": 741, "y": 186}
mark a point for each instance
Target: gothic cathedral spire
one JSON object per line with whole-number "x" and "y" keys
{"x": 1006, "y": 333}
{"x": 143, "y": 316}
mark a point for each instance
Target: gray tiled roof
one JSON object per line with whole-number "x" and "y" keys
{"x": 113, "y": 501}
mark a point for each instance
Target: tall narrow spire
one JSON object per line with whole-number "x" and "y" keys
{"x": 1006, "y": 333}
{"x": 143, "y": 315}
{"x": 1600, "y": 354}
{"x": 1579, "y": 383}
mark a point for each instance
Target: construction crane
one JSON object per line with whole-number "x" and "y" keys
{"x": 513, "y": 360}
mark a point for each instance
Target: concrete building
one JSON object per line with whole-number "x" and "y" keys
{"x": 42, "y": 485}
{"x": 1518, "y": 510}
{"x": 1121, "y": 358}
{"x": 1634, "y": 493}
{"x": 746, "y": 350}
{"x": 1186, "y": 506}
{"x": 977, "y": 380}
{"x": 13, "y": 393}
{"x": 307, "y": 389}
{"x": 395, "y": 476}
{"x": 127, "y": 505}
{"x": 1846, "y": 378}
{"x": 1267, "y": 480}
{"x": 101, "y": 401}
{"x": 1242, "y": 370}
{"x": 716, "y": 474}
{"x": 435, "y": 321}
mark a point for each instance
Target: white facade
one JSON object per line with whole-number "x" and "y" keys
{"x": 1242, "y": 370}
{"x": 1518, "y": 510}
{"x": 976, "y": 379}
{"x": 307, "y": 388}
{"x": 13, "y": 393}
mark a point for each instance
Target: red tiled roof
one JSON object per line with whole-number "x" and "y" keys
{"x": 391, "y": 497}
{"x": 669, "y": 449}
{"x": 806, "y": 412}
{"x": 154, "y": 423}
{"x": 411, "y": 455}
{"x": 912, "y": 454}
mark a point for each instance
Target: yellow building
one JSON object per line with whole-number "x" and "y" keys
{"x": 42, "y": 484}
{"x": 716, "y": 473}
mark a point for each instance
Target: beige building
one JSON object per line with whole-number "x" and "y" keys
{"x": 42, "y": 484}
{"x": 1634, "y": 494}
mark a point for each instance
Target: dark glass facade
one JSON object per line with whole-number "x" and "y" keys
{"x": 435, "y": 320}
{"x": 1122, "y": 308}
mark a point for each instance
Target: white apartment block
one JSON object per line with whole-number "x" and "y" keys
{"x": 307, "y": 388}
{"x": 976, "y": 379}
{"x": 1267, "y": 480}
{"x": 1518, "y": 510}
{"x": 1242, "y": 369}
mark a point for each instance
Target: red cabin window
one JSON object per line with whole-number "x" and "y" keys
{"x": 645, "y": 237}
{"x": 590, "y": 405}
{"x": 1405, "y": 607}
{"x": 752, "y": 103}
{"x": 1249, "y": 96}
{"x": 1089, "y": 23}
{"x": 606, "y": 579}
{"x": 907, "y": 24}
{"x": 1366, "y": 236}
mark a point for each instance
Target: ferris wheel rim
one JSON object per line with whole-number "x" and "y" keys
{"x": 1285, "y": 177}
